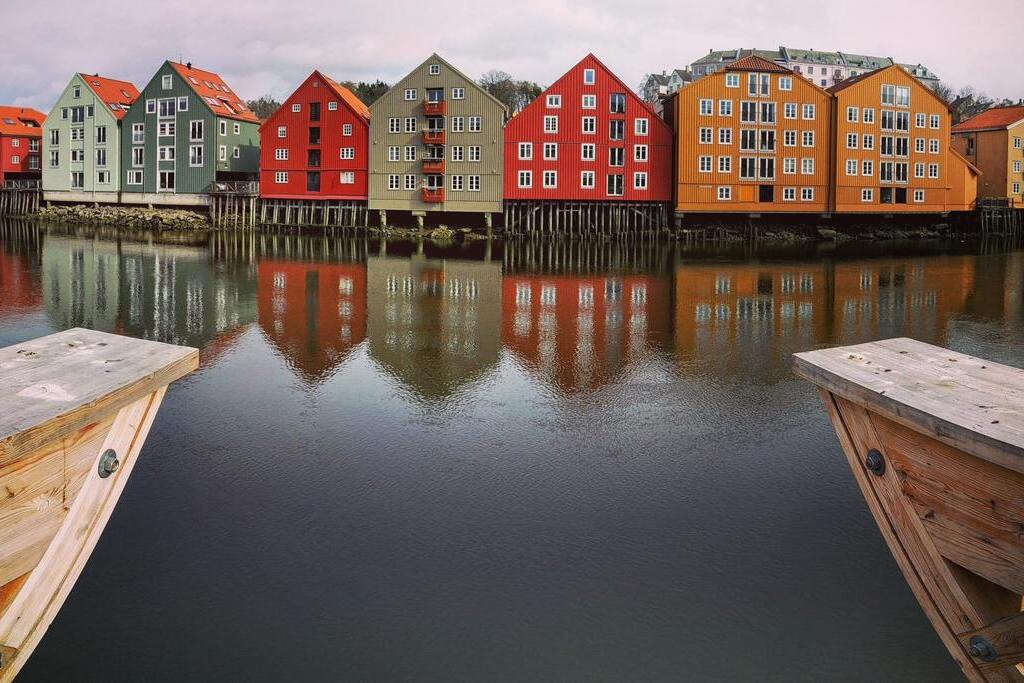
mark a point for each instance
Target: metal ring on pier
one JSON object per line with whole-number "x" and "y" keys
{"x": 108, "y": 463}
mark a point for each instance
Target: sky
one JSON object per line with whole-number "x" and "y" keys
{"x": 269, "y": 46}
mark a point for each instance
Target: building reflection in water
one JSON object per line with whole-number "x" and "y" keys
{"x": 434, "y": 324}
{"x": 314, "y": 314}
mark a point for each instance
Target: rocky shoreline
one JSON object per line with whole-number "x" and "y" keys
{"x": 126, "y": 216}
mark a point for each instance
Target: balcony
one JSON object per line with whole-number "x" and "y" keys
{"x": 435, "y": 108}
{"x": 433, "y": 195}
{"x": 433, "y": 165}
{"x": 433, "y": 137}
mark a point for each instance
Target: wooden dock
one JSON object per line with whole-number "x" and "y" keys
{"x": 20, "y": 197}
{"x": 74, "y": 413}
{"x": 935, "y": 440}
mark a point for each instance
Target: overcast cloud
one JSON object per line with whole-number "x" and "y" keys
{"x": 269, "y": 46}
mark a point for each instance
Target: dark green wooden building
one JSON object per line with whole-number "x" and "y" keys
{"x": 187, "y": 131}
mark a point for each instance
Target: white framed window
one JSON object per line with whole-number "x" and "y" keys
{"x": 166, "y": 82}
{"x": 933, "y": 146}
{"x": 785, "y": 83}
{"x": 919, "y": 144}
{"x": 165, "y": 129}
{"x": 222, "y": 153}
{"x": 868, "y": 115}
{"x": 588, "y": 151}
{"x": 435, "y": 69}
{"x": 458, "y": 152}
{"x": 165, "y": 153}
{"x": 789, "y": 166}
{"x": 347, "y": 178}
{"x": 640, "y": 180}
{"x": 587, "y": 180}
{"x": 456, "y": 183}
{"x": 807, "y": 139}
{"x": 476, "y": 124}
{"x": 704, "y": 163}
{"x": 1016, "y": 188}
{"x": 640, "y": 126}
{"x": 851, "y": 140}
{"x": 550, "y": 179}
{"x": 195, "y": 130}
{"x": 808, "y": 112}
{"x": 867, "y": 168}
{"x": 1016, "y": 143}
{"x": 473, "y": 182}
{"x": 933, "y": 170}
{"x": 138, "y": 156}
{"x": 16, "y": 159}
{"x": 458, "y": 124}
{"x": 394, "y": 153}
{"x": 707, "y": 107}
{"x": 725, "y": 164}
{"x": 332, "y": 106}
{"x": 196, "y": 154}
{"x": 525, "y": 179}
{"x": 394, "y": 125}
{"x": 732, "y": 80}
{"x": 458, "y": 93}
{"x": 134, "y": 177}
{"x": 394, "y": 182}
{"x": 725, "y": 107}
{"x": 525, "y": 150}
{"x": 553, "y": 101}
{"x": 237, "y": 128}
{"x": 918, "y": 196}
{"x": 851, "y": 167}
{"x": 281, "y": 154}
{"x": 867, "y": 194}
{"x": 296, "y": 107}
{"x": 789, "y": 194}
{"x": 920, "y": 120}
{"x": 138, "y": 133}
{"x": 550, "y": 124}
{"x": 410, "y": 124}
{"x": 348, "y": 152}
{"x": 77, "y": 155}
{"x": 410, "y": 152}
{"x": 589, "y": 102}
{"x": 807, "y": 166}
{"x": 789, "y": 110}
{"x": 707, "y": 136}
{"x": 589, "y": 77}
{"x": 410, "y": 94}
{"x": 867, "y": 141}
{"x": 550, "y": 151}
{"x": 919, "y": 170}
{"x": 346, "y": 130}
{"x": 223, "y": 127}
{"x": 640, "y": 153}
{"x": 725, "y": 136}
{"x": 789, "y": 138}
{"x": 410, "y": 181}
{"x": 589, "y": 124}
{"x": 724, "y": 191}
{"x": 282, "y": 131}
{"x": 281, "y": 177}
{"x": 807, "y": 194}
{"x": 852, "y": 114}
{"x": 16, "y": 142}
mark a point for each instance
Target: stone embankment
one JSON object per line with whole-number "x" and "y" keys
{"x": 127, "y": 216}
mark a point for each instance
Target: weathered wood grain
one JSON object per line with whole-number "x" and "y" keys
{"x": 1007, "y": 638}
{"x": 55, "y": 385}
{"x": 36, "y": 604}
{"x": 965, "y": 402}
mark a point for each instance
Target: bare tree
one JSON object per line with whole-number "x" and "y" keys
{"x": 512, "y": 93}
{"x": 264, "y": 107}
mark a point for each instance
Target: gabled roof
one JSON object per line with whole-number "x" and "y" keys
{"x": 974, "y": 169}
{"x": 348, "y": 96}
{"x": 997, "y": 118}
{"x": 221, "y": 100}
{"x": 720, "y": 56}
{"x": 756, "y": 63}
{"x": 21, "y": 121}
{"x": 438, "y": 58}
{"x": 846, "y": 83}
{"x": 660, "y": 79}
{"x": 116, "y": 95}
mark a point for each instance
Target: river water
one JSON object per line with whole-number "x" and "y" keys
{"x": 525, "y": 461}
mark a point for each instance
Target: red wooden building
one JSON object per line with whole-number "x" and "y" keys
{"x": 315, "y": 147}
{"x": 21, "y": 134}
{"x": 591, "y": 150}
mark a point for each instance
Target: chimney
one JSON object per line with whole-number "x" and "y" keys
{"x": 188, "y": 65}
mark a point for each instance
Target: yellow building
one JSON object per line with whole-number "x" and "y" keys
{"x": 893, "y": 151}
{"x": 994, "y": 142}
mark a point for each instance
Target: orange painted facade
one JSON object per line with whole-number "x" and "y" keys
{"x": 893, "y": 150}
{"x": 756, "y": 138}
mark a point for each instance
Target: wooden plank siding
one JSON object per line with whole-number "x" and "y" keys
{"x": 697, "y": 191}
{"x": 217, "y": 131}
{"x": 528, "y": 127}
{"x": 477, "y": 102}
{"x": 296, "y": 143}
{"x": 952, "y": 190}
{"x": 20, "y": 135}
{"x": 999, "y": 155}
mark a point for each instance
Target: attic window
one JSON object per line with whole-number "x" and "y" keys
{"x": 125, "y": 93}
{"x": 435, "y": 69}
{"x": 212, "y": 101}
{"x": 208, "y": 84}
{"x": 193, "y": 79}
{"x": 9, "y": 122}
{"x": 588, "y": 76}
{"x": 166, "y": 82}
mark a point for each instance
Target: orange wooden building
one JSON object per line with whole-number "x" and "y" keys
{"x": 892, "y": 148}
{"x": 994, "y": 142}
{"x": 754, "y": 137}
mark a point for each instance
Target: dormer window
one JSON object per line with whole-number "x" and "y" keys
{"x": 435, "y": 69}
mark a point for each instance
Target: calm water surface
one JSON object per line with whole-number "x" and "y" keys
{"x": 530, "y": 462}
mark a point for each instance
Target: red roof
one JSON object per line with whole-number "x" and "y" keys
{"x": 117, "y": 95}
{"x": 21, "y": 121}
{"x": 755, "y": 63}
{"x": 215, "y": 92}
{"x": 350, "y": 97}
{"x": 995, "y": 118}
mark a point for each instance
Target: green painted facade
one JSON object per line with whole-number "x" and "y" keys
{"x": 81, "y": 124}
{"x": 206, "y": 147}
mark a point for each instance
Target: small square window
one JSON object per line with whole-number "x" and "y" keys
{"x": 435, "y": 69}
{"x": 589, "y": 76}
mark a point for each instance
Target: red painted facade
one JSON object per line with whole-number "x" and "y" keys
{"x": 572, "y": 99}
{"x": 21, "y": 132}
{"x": 300, "y": 144}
